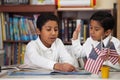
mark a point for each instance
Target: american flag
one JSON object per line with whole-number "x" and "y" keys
{"x": 98, "y": 56}
{"x": 113, "y": 55}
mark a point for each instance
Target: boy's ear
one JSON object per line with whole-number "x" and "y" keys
{"x": 109, "y": 31}
{"x": 37, "y": 31}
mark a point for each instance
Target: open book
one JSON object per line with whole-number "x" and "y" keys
{"x": 80, "y": 72}
{"x": 39, "y": 73}
{"x": 22, "y": 70}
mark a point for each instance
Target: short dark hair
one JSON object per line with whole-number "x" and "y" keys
{"x": 44, "y": 17}
{"x": 105, "y": 19}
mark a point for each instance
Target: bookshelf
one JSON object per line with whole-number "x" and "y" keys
{"x": 14, "y": 49}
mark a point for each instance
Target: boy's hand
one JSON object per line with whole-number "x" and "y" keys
{"x": 64, "y": 67}
{"x": 76, "y": 32}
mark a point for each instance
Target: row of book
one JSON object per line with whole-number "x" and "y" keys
{"x": 14, "y": 2}
{"x": 26, "y": 2}
{"x": 17, "y": 28}
{"x": 69, "y": 25}
{"x": 14, "y": 53}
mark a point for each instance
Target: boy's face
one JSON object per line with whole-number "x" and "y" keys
{"x": 96, "y": 30}
{"x": 49, "y": 33}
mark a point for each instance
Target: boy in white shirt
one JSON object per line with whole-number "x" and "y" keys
{"x": 101, "y": 25}
{"x": 47, "y": 50}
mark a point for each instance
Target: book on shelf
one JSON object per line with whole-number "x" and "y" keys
{"x": 65, "y": 30}
{"x": 27, "y": 29}
{"x": 14, "y": 53}
{"x": 32, "y": 28}
{"x": 14, "y": 30}
{"x": 68, "y": 27}
{"x": 22, "y": 53}
{"x": 41, "y": 2}
{"x": 16, "y": 27}
{"x": 7, "y": 27}
{"x": 75, "y": 3}
{"x": 14, "y": 2}
{"x": 3, "y": 26}
{"x": 11, "y": 28}
{"x": 1, "y": 39}
{"x": 19, "y": 53}
{"x": 6, "y": 56}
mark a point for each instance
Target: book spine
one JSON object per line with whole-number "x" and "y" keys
{"x": 69, "y": 29}
{"x": 3, "y": 26}
{"x": 19, "y": 53}
{"x": 32, "y": 29}
{"x": 23, "y": 53}
{"x": 15, "y": 28}
{"x": 11, "y": 28}
{"x": 1, "y": 39}
{"x": 62, "y": 30}
{"x": 66, "y": 30}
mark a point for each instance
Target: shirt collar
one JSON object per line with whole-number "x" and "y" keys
{"x": 106, "y": 40}
{"x": 39, "y": 42}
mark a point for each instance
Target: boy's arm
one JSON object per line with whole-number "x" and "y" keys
{"x": 76, "y": 32}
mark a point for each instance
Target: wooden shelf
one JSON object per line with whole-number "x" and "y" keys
{"x": 27, "y": 8}
{"x": 81, "y": 9}
{"x": 75, "y": 9}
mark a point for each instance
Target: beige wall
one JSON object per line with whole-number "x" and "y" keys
{"x": 108, "y": 4}
{"x": 118, "y": 19}
{"x": 104, "y": 4}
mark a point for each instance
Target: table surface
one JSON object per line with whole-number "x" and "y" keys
{"x": 113, "y": 76}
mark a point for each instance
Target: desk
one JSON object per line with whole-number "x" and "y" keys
{"x": 113, "y": 76}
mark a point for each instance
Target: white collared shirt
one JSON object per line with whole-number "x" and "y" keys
{"x": 85, "y": 49}
{"x": 38, "y": 55}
